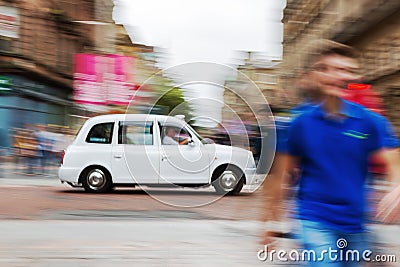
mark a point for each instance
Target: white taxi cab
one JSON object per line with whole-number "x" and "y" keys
{"x": 152, "y": 150}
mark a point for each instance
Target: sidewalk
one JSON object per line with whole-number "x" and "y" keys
{"x": 129, "y": 243}
{"x": 13, "y": 174}
{"x": 166, "y": 242}
{"x": 8, "y": 167}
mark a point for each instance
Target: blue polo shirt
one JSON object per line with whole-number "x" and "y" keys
{"x": 333, "y": 155}
{"x": 282, "y": 125}
{"x": 387, "y": 130}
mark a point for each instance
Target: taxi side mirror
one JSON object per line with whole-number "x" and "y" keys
{"x": 191, "y": 142}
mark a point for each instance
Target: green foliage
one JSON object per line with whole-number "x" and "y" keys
{"x": 172, "y": 99}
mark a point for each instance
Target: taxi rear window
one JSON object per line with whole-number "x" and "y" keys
{"x": 101, "y": 133}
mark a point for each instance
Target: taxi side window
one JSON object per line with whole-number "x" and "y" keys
{"x": 135, "y": 133}
{"x": 101, "y": 133}
{"x": 173, "y": 135}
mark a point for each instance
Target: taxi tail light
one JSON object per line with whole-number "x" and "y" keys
{"x": 62, "y": 157}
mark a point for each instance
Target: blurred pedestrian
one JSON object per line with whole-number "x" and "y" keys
{"x": 45, "y": 143}
{"x": 28, "y": 150}
{"x": 3, "y": 157}
{"x": 222, "y": 136}
{"x": 331, "y": 143}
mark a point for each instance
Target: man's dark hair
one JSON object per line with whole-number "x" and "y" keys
{"x": 324, "y": 47}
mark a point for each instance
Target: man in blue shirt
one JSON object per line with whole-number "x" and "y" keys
{"x": 331, "y": 144}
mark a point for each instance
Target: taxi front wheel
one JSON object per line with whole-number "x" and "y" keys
{"x": 230, "y": 182}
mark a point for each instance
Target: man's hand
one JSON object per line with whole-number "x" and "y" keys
{"x": 184, "y": 141}
{"x": 268, "y": 238}
{"x": 389, "y": 207}
{"x": 274, "y": 230}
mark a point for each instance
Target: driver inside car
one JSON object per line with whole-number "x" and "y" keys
{"x": 168, "y": 138}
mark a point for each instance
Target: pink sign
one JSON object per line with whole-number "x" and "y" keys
{"x": 104, "y": 79}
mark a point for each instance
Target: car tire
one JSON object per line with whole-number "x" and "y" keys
{"x": 230, "y": 181}
{"x": 96, "y": 180}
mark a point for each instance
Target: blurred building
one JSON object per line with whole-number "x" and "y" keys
{"x": 37, "y": 42}
{"x": 371, "y": 26}
{"x": 144, "y": 66}
{"x": 148, "y": 77}
{"x": 248, "y": 102}
{"x": 256, "y": 84}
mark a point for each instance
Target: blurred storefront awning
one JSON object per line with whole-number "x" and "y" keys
{"x": 45, "y": 97}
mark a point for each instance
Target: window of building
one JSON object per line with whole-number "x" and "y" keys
{"x": 266, "y": 78}
{"x": 5, "y": 44}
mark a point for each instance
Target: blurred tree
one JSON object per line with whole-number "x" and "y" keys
{"x": 172, "y": 99}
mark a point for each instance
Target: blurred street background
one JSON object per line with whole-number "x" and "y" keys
{"x": 64, "y": 61}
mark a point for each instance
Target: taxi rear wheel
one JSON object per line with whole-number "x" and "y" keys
{"x": 96, "y": 180}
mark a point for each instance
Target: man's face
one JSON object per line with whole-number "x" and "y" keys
{"x": 171, "y": 132}
{"x": 331, "y": 74}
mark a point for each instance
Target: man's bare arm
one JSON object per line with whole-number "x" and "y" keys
{"x": 389, "y": 207}
{"x": 273, "y": 191}
{"x": 273, "y": 195}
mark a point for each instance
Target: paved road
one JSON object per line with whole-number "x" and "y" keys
{"x": 44, "y": 223}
